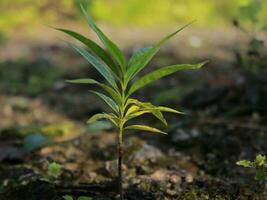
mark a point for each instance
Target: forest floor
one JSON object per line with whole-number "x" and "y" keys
{"x": 42, "y": 120}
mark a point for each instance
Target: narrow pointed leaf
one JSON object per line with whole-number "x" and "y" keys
{"x": 162, "y": 72}
{"x": 135, "y": 111}
{"x": 150, "y": 108}
{"x": 113, "y": 93}
{"x": 111, "y": 47}
{"x": 144, "y": 128}
{"x": 103, "y": 70}
{"x": 138, "y": 54}
{"x": 132, "y": 109}
{"x": 108, "y": 101}
{"x": 95, "y": 48}
{"x": 83, "y": 81}
{"x": 166, "y": 109}
{"x": 101, "y": 116}
{"x": 137, "y": 114}
{"x": 143, "y": 60}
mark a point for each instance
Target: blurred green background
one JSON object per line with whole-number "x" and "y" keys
{"x": 27, "y": 14}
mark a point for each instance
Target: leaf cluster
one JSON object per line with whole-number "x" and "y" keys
{"x": 118, "y": 88}
{"x": 259, "y": 164}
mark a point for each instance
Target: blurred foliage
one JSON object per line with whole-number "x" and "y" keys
{"x": 252, "y": 22}
{"x": 28, "y": 78}
{"x": 259, "y": 164}
{"x": 26, "y": 13}
{"x": 58, "y": 129}
{"x": 54, "y": 170}
{"x": 36, "y": 141}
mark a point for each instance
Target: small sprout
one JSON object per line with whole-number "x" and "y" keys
{"x": 249, "y": 22}
{"x": 261, "y": 161}
{"x": 122, "y": 82}
{"x": 259, "y": 164}
{"x": 245, "y": 163}
{"x": 68, "y": 197}
{"x": 54, "y": 170}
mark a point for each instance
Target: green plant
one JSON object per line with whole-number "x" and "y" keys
{"x": 68, "y": 197}
{"x": 259, "y": 164}
{"x": 249, "y": 22}
{"x": 119, "y": 74}
{"x": 54, "y": 170}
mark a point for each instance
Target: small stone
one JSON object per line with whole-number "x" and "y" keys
{"x": 160, "y": 175}
{"x": 146, "y": 153}
{"x": 175, "y": 179}
{"x": 189, "y": 178}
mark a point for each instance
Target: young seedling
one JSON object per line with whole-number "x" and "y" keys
{"x": 259, "y": 164}
{"x": 248, "y": 21}
{"x": 119, "y": 86}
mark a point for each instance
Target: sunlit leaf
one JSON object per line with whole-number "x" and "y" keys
{"x": 166, "y": 109}
{"x": 144, "y": 128}
{"x": 245, "y": 163}
{"x": 95, "y": 48}
{"x": 104, "y": 71}
{"x": 137, "y": 114}
{"x": 100, "y": 116}
{"x": 144, "y": 59}
{"x": 111, "y": 47}
{"x": 162, "y": 72}
{"x": 260, "y": 160}
{"x": 132, "y": 109}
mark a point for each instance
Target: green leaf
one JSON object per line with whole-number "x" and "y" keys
{"x": 149, "y": 108}
{"x": 99, "y": 126}
{"x": 108, "y": 101}
{"x": 260, "y": 160}
{"x": 135, "y": 111}
{"x": 83, "y": 81}
{"x": 55, "y": 169}
{"x": 84, "y": 198}
{"x": 103, "y": 70}
{"x": 261, "y": 174}
{"x": 166, "y": 109}
{"x": 144, "y": 128}
{"x": 138, "y": 54}
{"x": 157, "y": 74}
{"x": 111, "y": 47}
{"x": 100, "y": 116}
{"x": 138, "y": 64}
{"x": 146, "y": 107}
{"x": 113, "y": 93}
{"x": 95, "y": 48}
{"x": 67, "y": 197}
{"x": 245, "y": 163}
{"x": 136, "y": 114}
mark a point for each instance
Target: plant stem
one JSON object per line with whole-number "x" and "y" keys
{"x": 120, "y": 152}
{"x": 120, "y": 135}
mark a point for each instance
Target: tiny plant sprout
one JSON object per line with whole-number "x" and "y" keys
{"x": 54, "y": 169}
{"x": 259, "y": 164}
{"x": 118, "y": 88}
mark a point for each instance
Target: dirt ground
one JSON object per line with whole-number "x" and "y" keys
{"x": 42, "y": 120}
